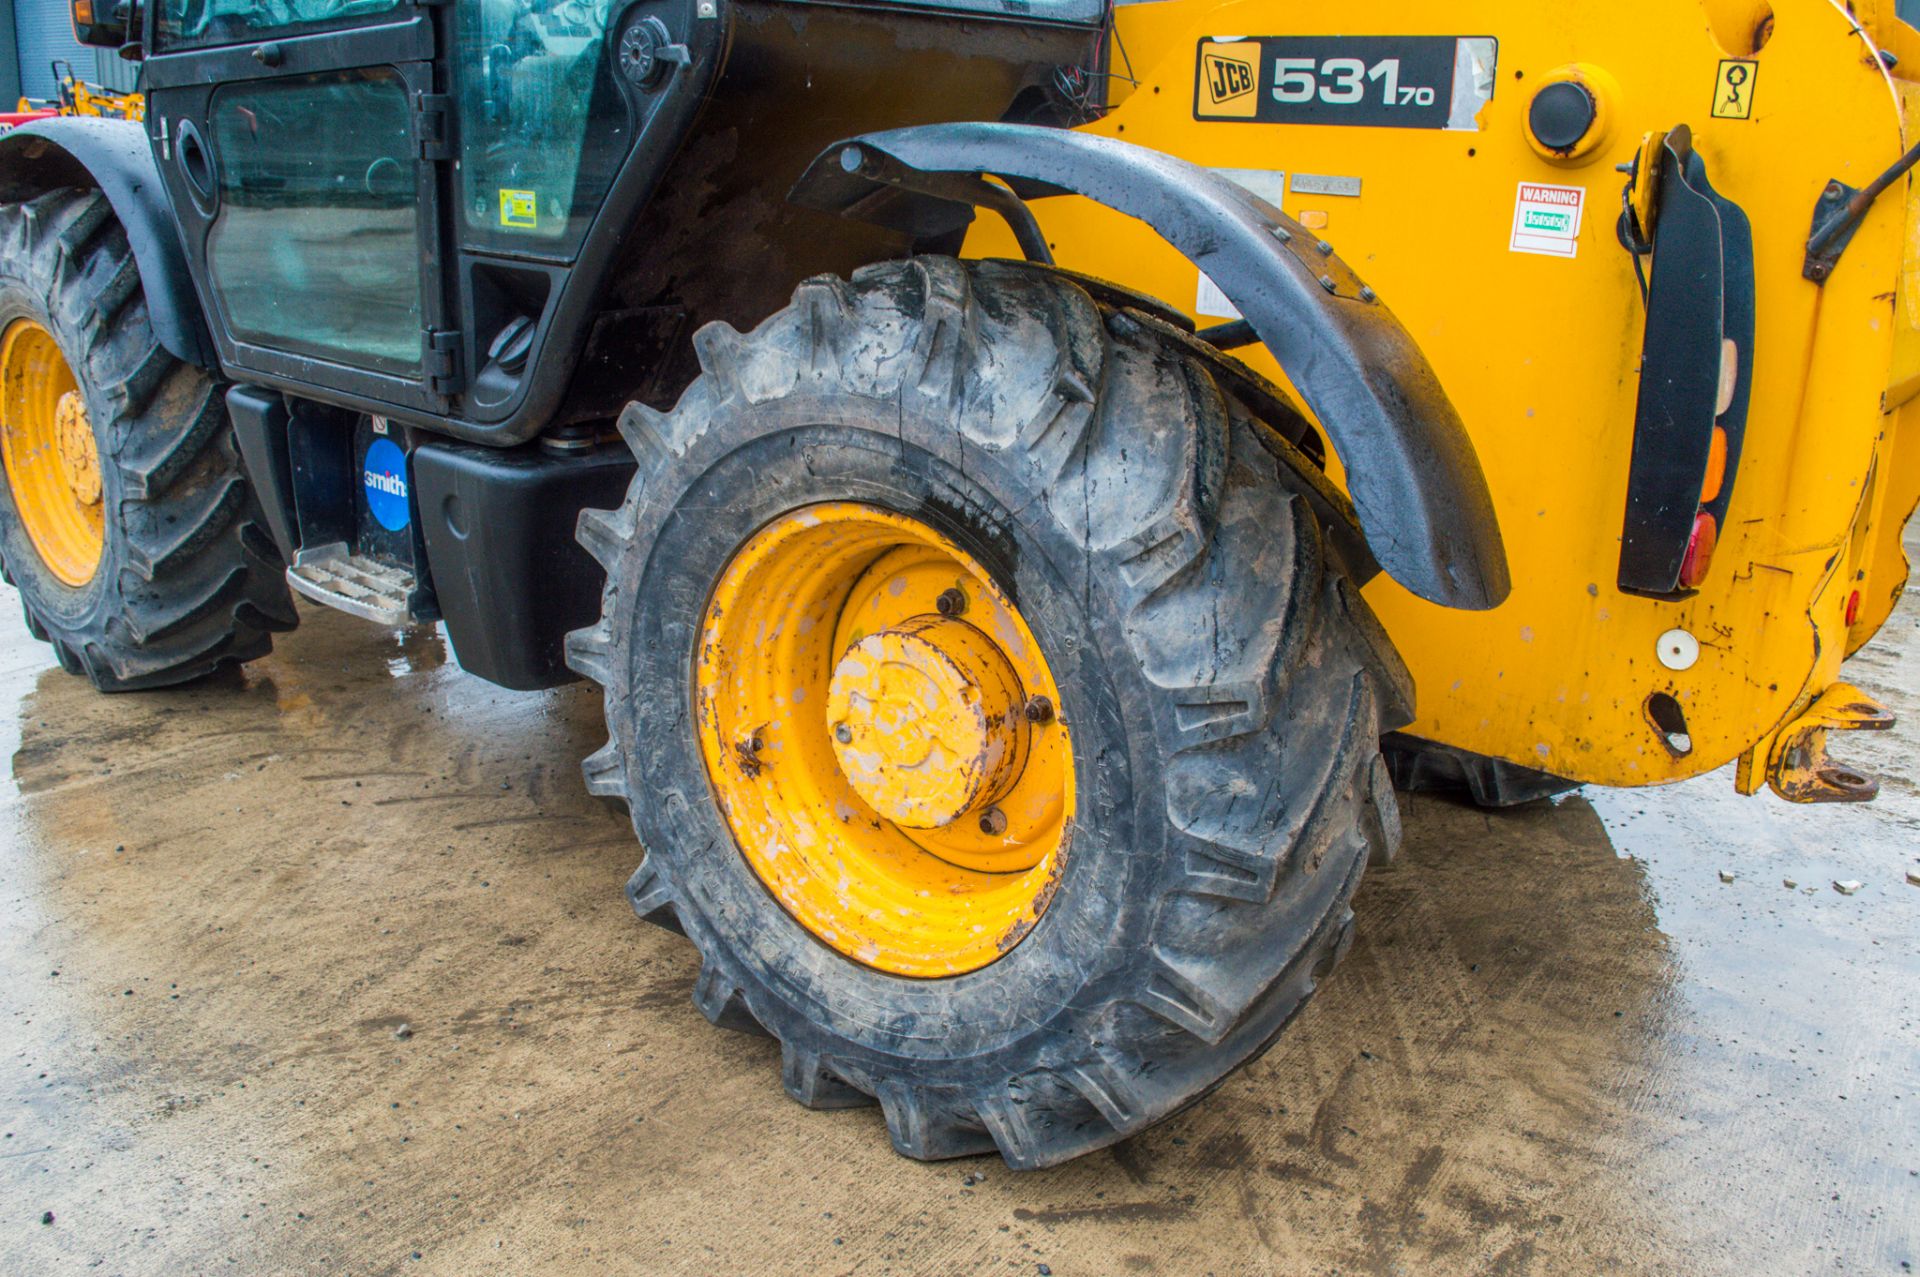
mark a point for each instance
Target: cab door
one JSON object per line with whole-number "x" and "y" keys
{"x": 302, "y": 143}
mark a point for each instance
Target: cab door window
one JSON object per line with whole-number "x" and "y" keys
{"x": 316, "y": 245}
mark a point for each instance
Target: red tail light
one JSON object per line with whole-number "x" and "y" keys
{"x": 1700, "y": 546}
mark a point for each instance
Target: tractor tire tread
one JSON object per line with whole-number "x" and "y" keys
{"x": 188, "y": 581}
{"x": 1235, "y": 615}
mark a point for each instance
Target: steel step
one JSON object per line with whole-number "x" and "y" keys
{"x": 354, "y": 583}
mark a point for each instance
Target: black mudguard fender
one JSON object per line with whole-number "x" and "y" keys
{"x": 114, "y": 156}
{"x": 1415, "y": 481}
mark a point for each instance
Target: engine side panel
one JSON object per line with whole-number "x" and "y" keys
{"x": 1535, "y": 330}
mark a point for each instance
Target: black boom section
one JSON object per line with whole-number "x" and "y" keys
{"x": 1415, "y": 480}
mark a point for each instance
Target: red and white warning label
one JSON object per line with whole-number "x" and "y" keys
{"x": 1546, "y": 219}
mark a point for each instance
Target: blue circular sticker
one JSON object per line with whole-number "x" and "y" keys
{"x": 385, "y": 475}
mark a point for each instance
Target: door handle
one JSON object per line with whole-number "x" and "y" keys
{"x": 195, "y": 159}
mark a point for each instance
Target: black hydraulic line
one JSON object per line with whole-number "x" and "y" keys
{"x": 1840, "y": 212}
{"x": 1229, "y": 336}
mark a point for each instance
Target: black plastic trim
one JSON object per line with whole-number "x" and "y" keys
{"x": 260, "y": 426}
{"x": 498, "y": 526}
{"x": 113, "y": 156}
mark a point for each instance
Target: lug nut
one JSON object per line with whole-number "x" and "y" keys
{"x": 993, "y": 822}
{"x": 1039, "y": 710}
{"x": 951, "y": 602}
{"x": 842, "y": 733}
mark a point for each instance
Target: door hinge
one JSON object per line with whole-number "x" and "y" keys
{"x": 443, "y": 362}
{"x": 432, "y": 126}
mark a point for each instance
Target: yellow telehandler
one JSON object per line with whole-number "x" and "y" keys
{"x": 1027, "y": 476}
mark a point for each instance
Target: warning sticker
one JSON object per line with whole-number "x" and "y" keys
{"x": 517, "y": 209}
{"x": 1733, "y": 90}
{"x": 1546, "y": 219}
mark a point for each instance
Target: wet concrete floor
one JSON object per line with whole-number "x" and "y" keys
{"x": 324, "y": 967}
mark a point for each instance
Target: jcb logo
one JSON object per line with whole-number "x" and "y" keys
{"x": 1229, "y": 73}
{"x": 1227, "y": 78}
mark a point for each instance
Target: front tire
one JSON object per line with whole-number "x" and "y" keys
{"x": 125, "y": 521}
{"x": 1224, "y": 685}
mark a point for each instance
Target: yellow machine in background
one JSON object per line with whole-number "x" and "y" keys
{"x": 1501, "y": 251}
{"x": 74, "y": 96}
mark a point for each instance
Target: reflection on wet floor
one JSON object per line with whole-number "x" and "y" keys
{"x": 323, "y": 966}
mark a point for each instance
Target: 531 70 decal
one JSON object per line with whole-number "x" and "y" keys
{"x": 1413, "y": 82}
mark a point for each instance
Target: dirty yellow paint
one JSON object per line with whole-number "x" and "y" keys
{"x": 1798, "y": 768}
{"x": 1541, "y": 354}
{"x": 881, "y": 731}
{"x": 52, "y": 463}
{"x": 928, "y": 721}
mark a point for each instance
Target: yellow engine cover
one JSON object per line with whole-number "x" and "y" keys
{"x": 1500, "y": 255}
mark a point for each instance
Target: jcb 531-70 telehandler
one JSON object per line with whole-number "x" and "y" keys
{"x": 1003, "y": 526}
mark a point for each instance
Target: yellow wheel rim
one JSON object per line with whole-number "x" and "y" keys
{"x": 52, "y": 461}
{"x": 878, "y": 725}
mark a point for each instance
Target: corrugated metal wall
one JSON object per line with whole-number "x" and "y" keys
{"x": 9, "y": 58}
{"x": 42, "y": 32}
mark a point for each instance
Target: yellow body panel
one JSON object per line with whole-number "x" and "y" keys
{"x": 1541, "y": 353}
{"x": 1880, "y": 566}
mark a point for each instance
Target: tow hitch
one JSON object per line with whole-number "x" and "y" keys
{"x": 1797, "y": 766}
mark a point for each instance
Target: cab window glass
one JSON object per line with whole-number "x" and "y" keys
{"x": 541, "y": 124}
{"x": 198, "y": 23}
{"x": 315, "y": 246}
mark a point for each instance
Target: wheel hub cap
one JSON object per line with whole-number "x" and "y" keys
{"x": 927, "y": 721}
{"x": 79, "y": 458}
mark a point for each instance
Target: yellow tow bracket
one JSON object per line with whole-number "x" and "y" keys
{"x": 1798, "y": 768}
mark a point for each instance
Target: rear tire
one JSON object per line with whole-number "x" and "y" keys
{"x": 186, "y": 580}
{"x": 1225, "y": 684}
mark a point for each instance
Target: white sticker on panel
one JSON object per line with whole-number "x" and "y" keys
{"x": 1546, "y": 219}
{"x": 1269, "y": 184}
{"x": 1212, "y": 302}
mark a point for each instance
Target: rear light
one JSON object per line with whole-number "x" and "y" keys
{"x": 1700, "y": 546}
{"x": 1716, "y": 467}
{"x": 1853, "y": 608}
